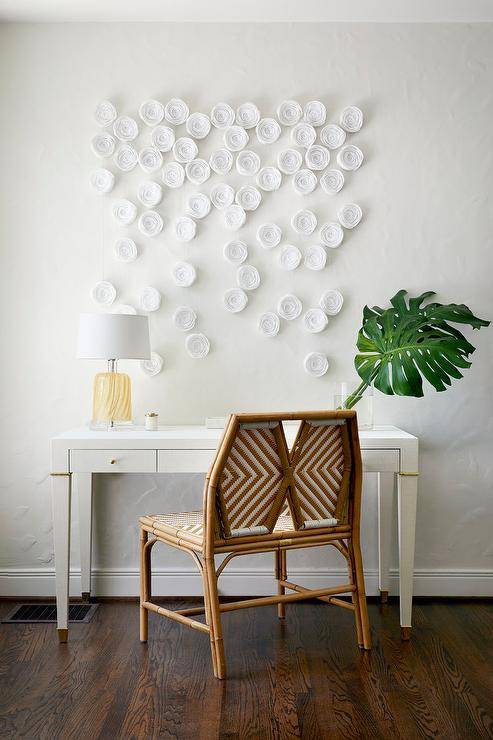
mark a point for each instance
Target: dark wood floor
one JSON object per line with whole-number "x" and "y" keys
{"x": 303, "y": 678}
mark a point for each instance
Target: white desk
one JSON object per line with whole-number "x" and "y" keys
{"x": 77, "y": 454}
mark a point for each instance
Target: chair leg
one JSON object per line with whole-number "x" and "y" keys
{"x": 144, "y": 585}
{"x": 281, "y": 575}
{"x": 354, "y": 597}
{"x": 216, "y": 630}
{"x": 361, "y": 595}
{"x": 208, "y": 619}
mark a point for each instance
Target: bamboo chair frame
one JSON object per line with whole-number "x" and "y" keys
{"x": 344, "y": 537}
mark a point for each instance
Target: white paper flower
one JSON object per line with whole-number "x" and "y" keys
{"x": 289, "y": 112}
{"x": 150, "y": 193}
{"x": 235, "y": 138}
{"x": 235, "y": 252}
{"x": 351, "y": 119}
{"x": 198, "y": 125}
{"x": 289, "y": 161}
{"x": 315, "y": 320}
{"x": 197, "y": 171}
{"x": 247, "y": 115}
{"x": 268, "y": 131}
{"x": 304, "y": 222}
{"x": 150, "y": 223}
{"x": 331, "y": 234}
{"x": 222, "y": 195}
{"x": 184, "y": 318}
{"x": 103, "y": 145}
{"x": 125, "y": 128}
{"x": 103, "y": 293}
{"x": 125, "y": 308}
{"x": 289, "y": 307}
{"x": 290, "y": 257}
{"x": 150, "y": 159}
{"x": 176, "y": 111}
{"x": 315, "y": 113}
{"x": 102, "y": 181}
{"x": 248, "y": 197}
{"x": 304, "y": 182}
{"x": 350, "y": 157}
{"x": 247, "y": 277}
{"x": 332, "y": 136}
{"x": 198, "y": 205}
{"x": 221, "y": 161}
{"x": 269, "y": 235}
{"x": 197, "y": 346}
{"x": 247, "y": 162}
{"x": 105, "y": 113}
{"x": 124, "y": 211}
{"x": 332, "y": 181}
{"x": 315, "y": 257}
{"x": 269, "y": 324}
{"x": 316, "y": 364}
{"x": 185, "y": 149}
{"x": 163, "y": 138}
{"x": 126, "y": 157}
{"x": 234, "y": 217}
{"x": 350, "y": 215}
{"x": 222, "y": 115}
{"x": 235, "y": 300}
{"x": 125, "y": 250}
{"x": 151, "y": 112}
{"x": 269, "y": 179}
{"x": 185, "y": 229}
{"x": 183, "y": 274}
{"x": 304, "y": 135}
{"x": 331, "y": 302}
{"x": 152, "y": 366}
{"x": 173, "y": 175}
{"x": 317, "y": 157}
{"x": 150, "y": 299}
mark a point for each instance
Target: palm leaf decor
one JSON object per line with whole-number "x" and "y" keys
{"x": 400, "y": 345}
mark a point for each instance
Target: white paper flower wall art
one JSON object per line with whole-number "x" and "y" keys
{"x": 244, "y": 159}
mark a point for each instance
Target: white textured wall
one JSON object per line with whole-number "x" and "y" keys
{"x": 426, "y": 190}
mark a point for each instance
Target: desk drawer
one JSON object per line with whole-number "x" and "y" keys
{"x": 113, "y": 461}
{"x": 184, "y": 461}
{"x": 380, "y": 461}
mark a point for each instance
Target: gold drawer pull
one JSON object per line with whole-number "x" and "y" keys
{"x": 112, "y": 462}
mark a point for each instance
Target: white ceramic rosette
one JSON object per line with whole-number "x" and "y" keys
{"x": 222, "y": 195}
{"x": 331, "y": 234}
{"x": 126, "y": 157}
{"x": 315, "y": 113}
{"x": 125, "y": 250}
{"x": 185, "y": 149}
{"x": 304, "y": 182}
{"x": 198, "y": 125}
{"x": 176, "y": 111}
{"x": 304, "y": 135}
{"x": 222, "y": 115}
{"x": 332, "y": 136}
{"x": 289, "y": 161}
{"x": 269, "y": 324}
{"x": 304, "y": 222}
{"x": 103, "y": 293}
{"x": 235, "y": 300}
{"x": 316, "y": 364}
{"x": 289, "y": 307}
{"x": 125, "y": 308}
{"x": 150, "y": 193}
{"x": 315, "y": 257}
{"x": 332, "y": 181}
{"x": 351, "y": 119}
{"x": 197, "y": 171}
{"x": 331, "y": 302}
{"x": 151, "y": 112}
{"x": 289, "y": 257}
{"x": 173, "y": 175}
{"x": 124, "y": 211}
{"x": 126, "y": 128}
{"x": 150, "y": 159}
{"x": 235, "y": 138}
{"x": 315, "y": 320}
{"x": 198, "y": 205}
{"x": 269, "y": 179}
{"x": 184, "y": 274}
{"x": 268, "y": 131}
{"x": 184, "y": 318}
{"x": 234, "y": 217}
{"x": 269, "y": 235}
{"x": 105, "y": 113}
{"x": 247, "y": 162}
{"x": 185, "y": 229}
{"x": 247, "y": 115}
{"x": 163, "y": 138}
{"x": 197, "y": 346}
{"x": 350, "y": 215}
{"x": 317, "y": 157}
{"x": 247, "y": 277}
{"x": 221, "y": 161}
{"x": 150, "y": 223}
{"x": 153, "y": 365}
{"x": 235, "y": 252}
{"x": 102, "y": 181}
{"x": 248, "y": 197}
{"x": 350, "y": 157}
{"x": 289, "y": 112}
{"x": 150, "y": 299}
{"x": 103, "y": 145}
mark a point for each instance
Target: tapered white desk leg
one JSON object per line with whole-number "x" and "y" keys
{"x": 61, "y": 491}
{"x": 407, "y": 497}
{"x": 386, "y": 483}
{"x": 82, "y": 484}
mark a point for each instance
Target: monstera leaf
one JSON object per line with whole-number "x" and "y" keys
{"x": 402, "y": 344}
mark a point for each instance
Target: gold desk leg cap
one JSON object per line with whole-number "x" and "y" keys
{"x": 63, "y": 635}
{"x": 406, "y": 633}
{"x": 86, "y": 597}
{"x": 384, "y": 597}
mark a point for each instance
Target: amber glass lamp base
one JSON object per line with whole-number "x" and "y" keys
{"x": 112, "y": 400}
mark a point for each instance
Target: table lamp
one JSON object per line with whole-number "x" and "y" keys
{"x": 112, "y": 337}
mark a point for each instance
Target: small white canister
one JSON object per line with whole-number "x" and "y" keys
{"x": 151, "y": 421}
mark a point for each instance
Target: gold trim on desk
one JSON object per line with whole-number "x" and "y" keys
{"x": 60, "y": 474}
{"x": 409, "y": 475}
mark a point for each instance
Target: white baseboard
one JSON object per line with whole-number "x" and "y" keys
{"x": 25, "y": 583}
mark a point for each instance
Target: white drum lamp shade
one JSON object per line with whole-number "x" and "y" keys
{"x": 113, "y": 337}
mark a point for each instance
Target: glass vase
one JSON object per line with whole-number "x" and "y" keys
{"x": 363, "y": 408}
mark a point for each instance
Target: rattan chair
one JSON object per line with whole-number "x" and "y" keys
{"x": 259, "y": 496}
